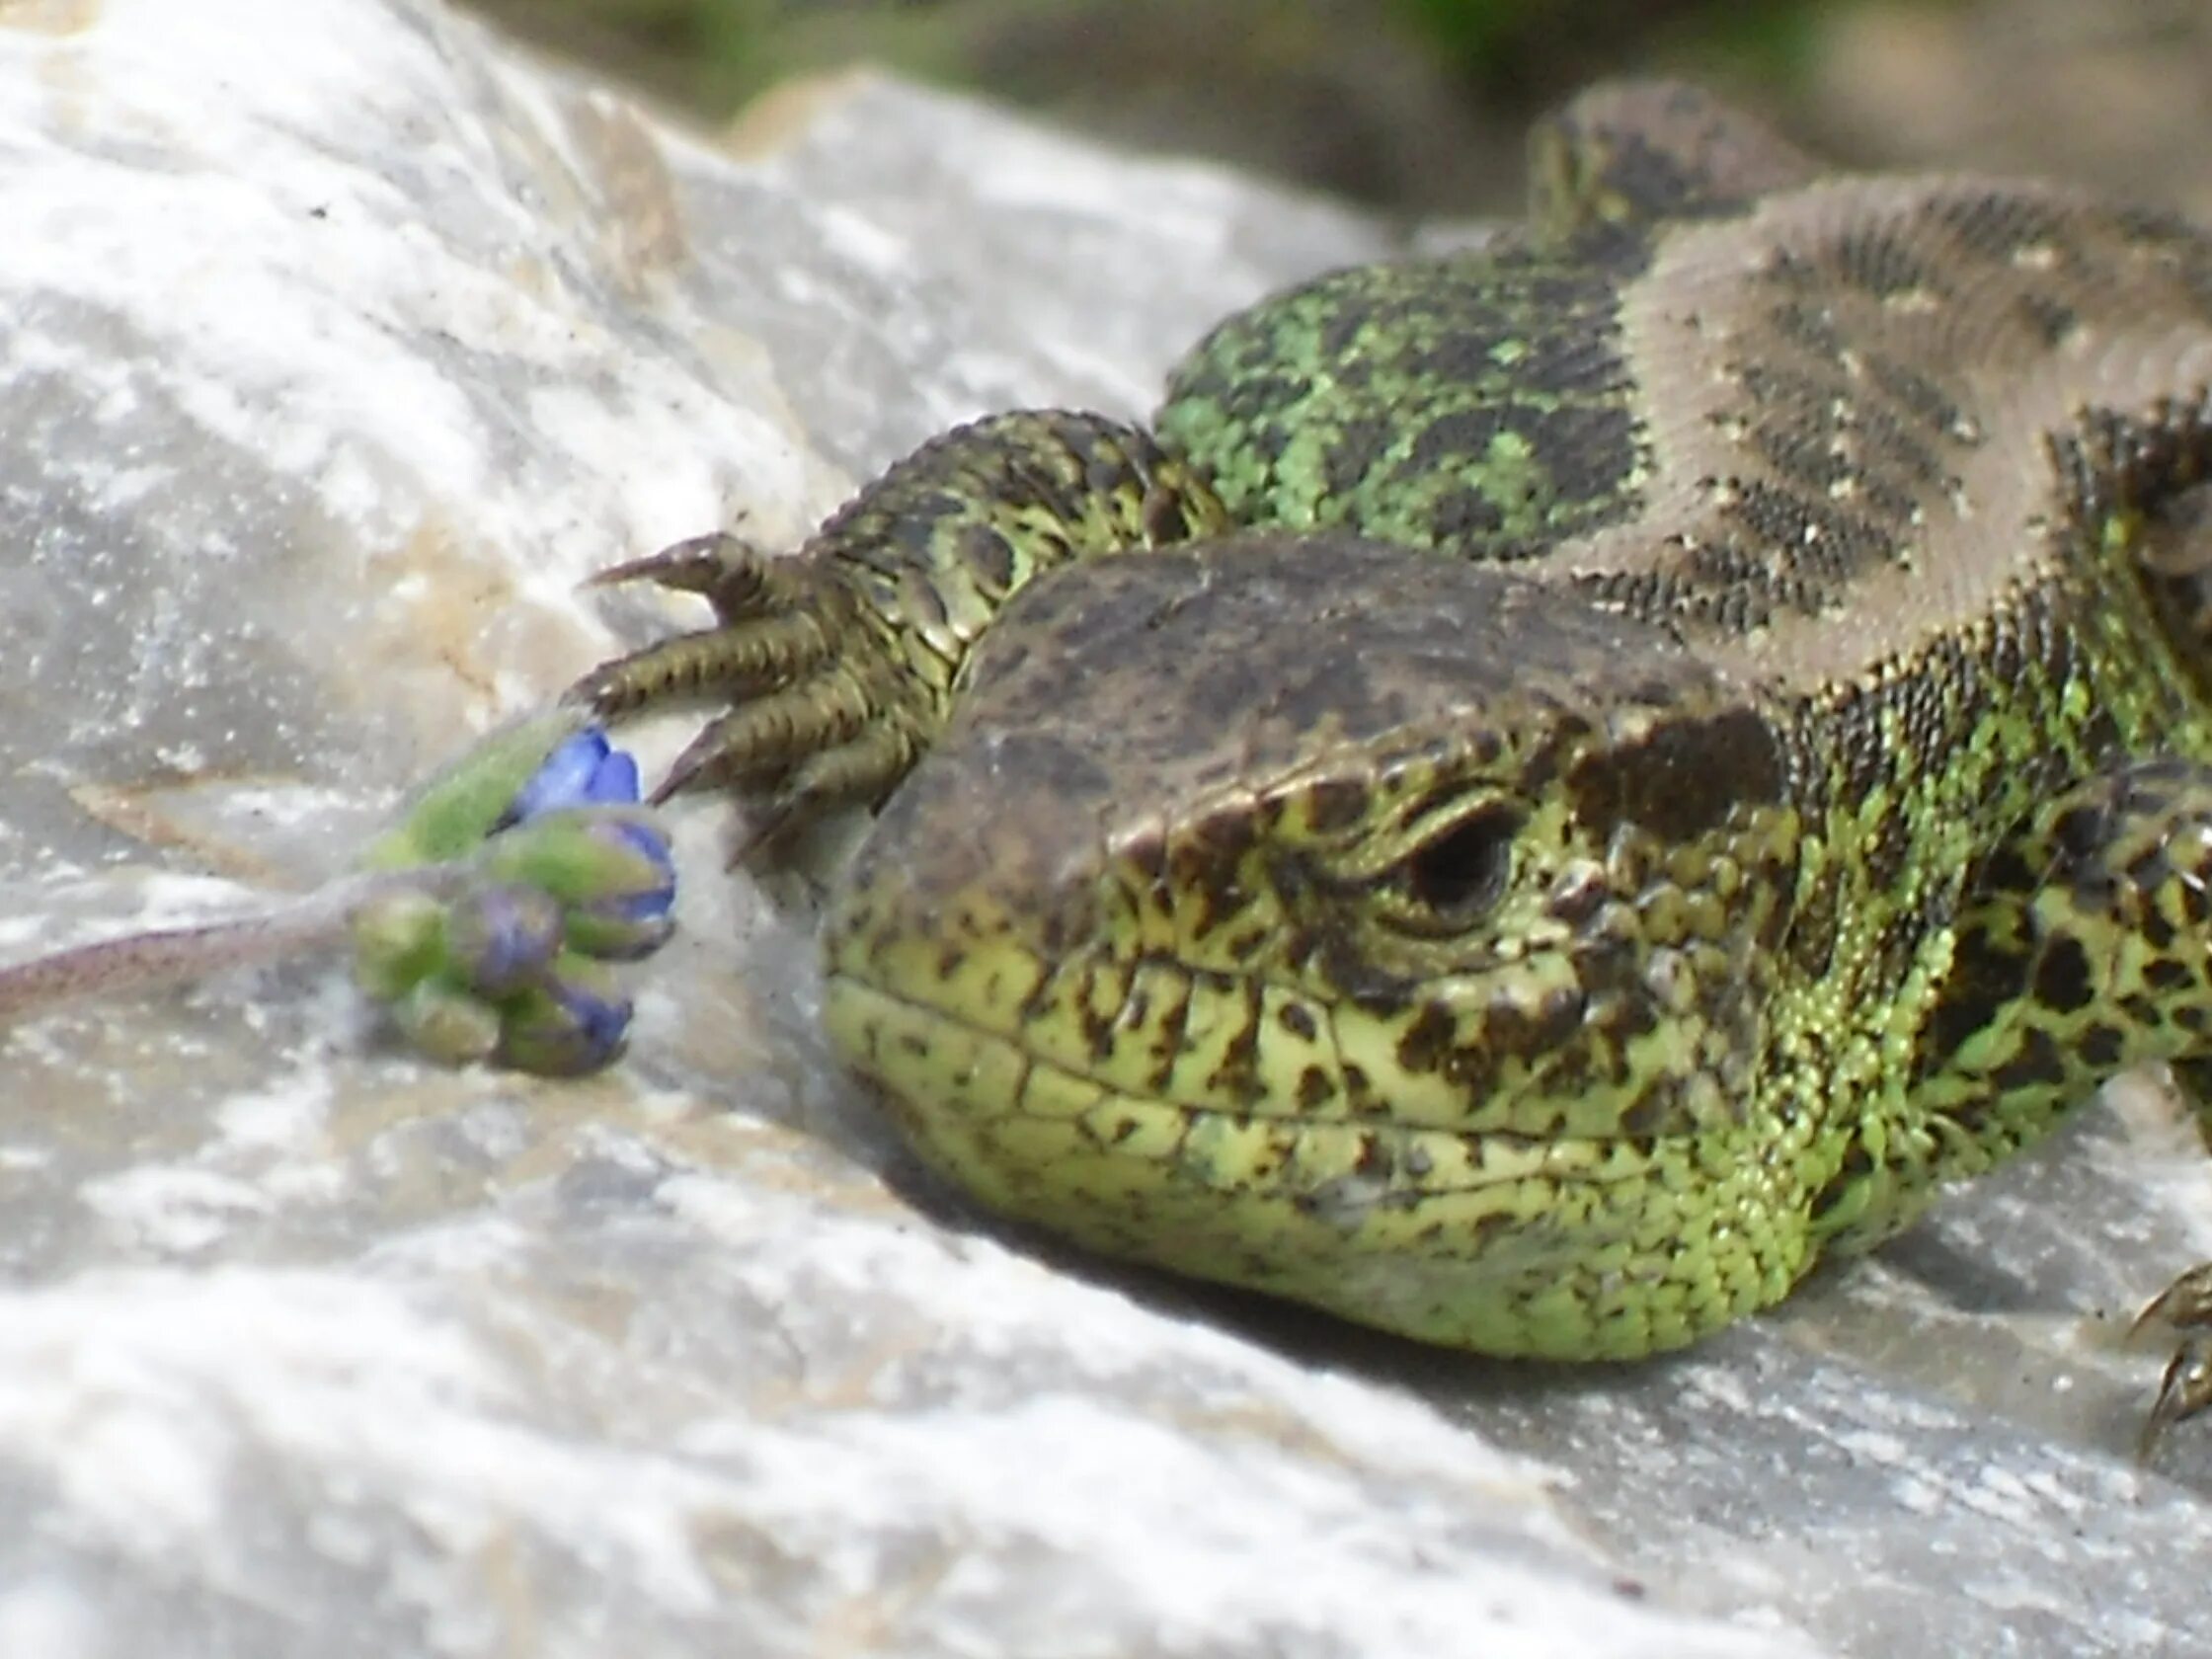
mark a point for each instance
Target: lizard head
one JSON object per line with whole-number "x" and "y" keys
{"x": 1319, "y": 885}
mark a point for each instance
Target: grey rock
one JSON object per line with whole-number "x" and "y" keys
{"x": 342, "y": 344}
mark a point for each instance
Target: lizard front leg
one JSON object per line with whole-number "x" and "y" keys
{"x": 841, "y": 660}
{"x": 2085, "y": 950}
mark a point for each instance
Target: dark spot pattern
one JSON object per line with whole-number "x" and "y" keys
{"x": 1683, "y": 778}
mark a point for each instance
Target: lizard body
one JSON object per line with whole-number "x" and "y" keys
{"x": 1791, "y": 794}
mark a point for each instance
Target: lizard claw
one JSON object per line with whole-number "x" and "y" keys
{"x": 828, "y": 712}
{"x": 723, "y": 567}
{"x": 771, "y": 627}
{"x": 2187, "y": 1388}
{"x": 2184, "y": 1390}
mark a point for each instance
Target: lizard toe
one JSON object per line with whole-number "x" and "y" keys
{"x": 2184, "y": 1390}
{"x": 757, "y": 745}
{"x": 856, "y": 773}
{"x": 2185, "y": 1306}
{"x": 731, "y": 573}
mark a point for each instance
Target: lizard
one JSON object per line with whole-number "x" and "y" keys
{"x": 1553, "y": 787}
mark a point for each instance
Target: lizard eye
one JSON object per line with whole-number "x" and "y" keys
{"x": 1463, "y": 869}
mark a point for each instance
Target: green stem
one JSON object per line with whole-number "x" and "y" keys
{"x": 172, "y": 954}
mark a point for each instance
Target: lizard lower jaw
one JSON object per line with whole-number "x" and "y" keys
{"x": 1572, "y": 1250}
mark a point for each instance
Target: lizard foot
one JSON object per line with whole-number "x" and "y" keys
{"x": 840, "y": 658}
{"x": 831, "y": 709}
{"x": 2187, "y": 1307}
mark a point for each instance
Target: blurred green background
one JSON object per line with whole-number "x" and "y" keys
{"x": 1417, "y": 105}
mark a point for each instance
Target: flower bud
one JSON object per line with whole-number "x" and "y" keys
{"x": 479, "y": 793}
{"x": 399, "y": 940}
{"x": 447, "y": 1024}
{"x": 612, "y": 871}
{"x": 501, "y": 936}
{"x": 536, "y": 865}
{"x": 572, "y": 1024}
{"x": 584, "y": 769}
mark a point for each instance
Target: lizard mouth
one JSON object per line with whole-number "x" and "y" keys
{"x": 1492, "y": 1242}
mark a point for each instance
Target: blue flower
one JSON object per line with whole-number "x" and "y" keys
{"x": 620, "y": 892}
{"x": 527, "y": 891}
{"x": 584, "y": 770}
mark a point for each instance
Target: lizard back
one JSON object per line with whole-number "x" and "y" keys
{"x": 1809, "y": 432}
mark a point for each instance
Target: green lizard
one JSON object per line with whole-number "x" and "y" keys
{"x": 1791, "y": 792}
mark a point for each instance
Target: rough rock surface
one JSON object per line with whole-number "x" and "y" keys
{"x": 340, "y": 346}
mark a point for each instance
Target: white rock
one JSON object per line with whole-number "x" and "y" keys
{"x": 341, "y": 346}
